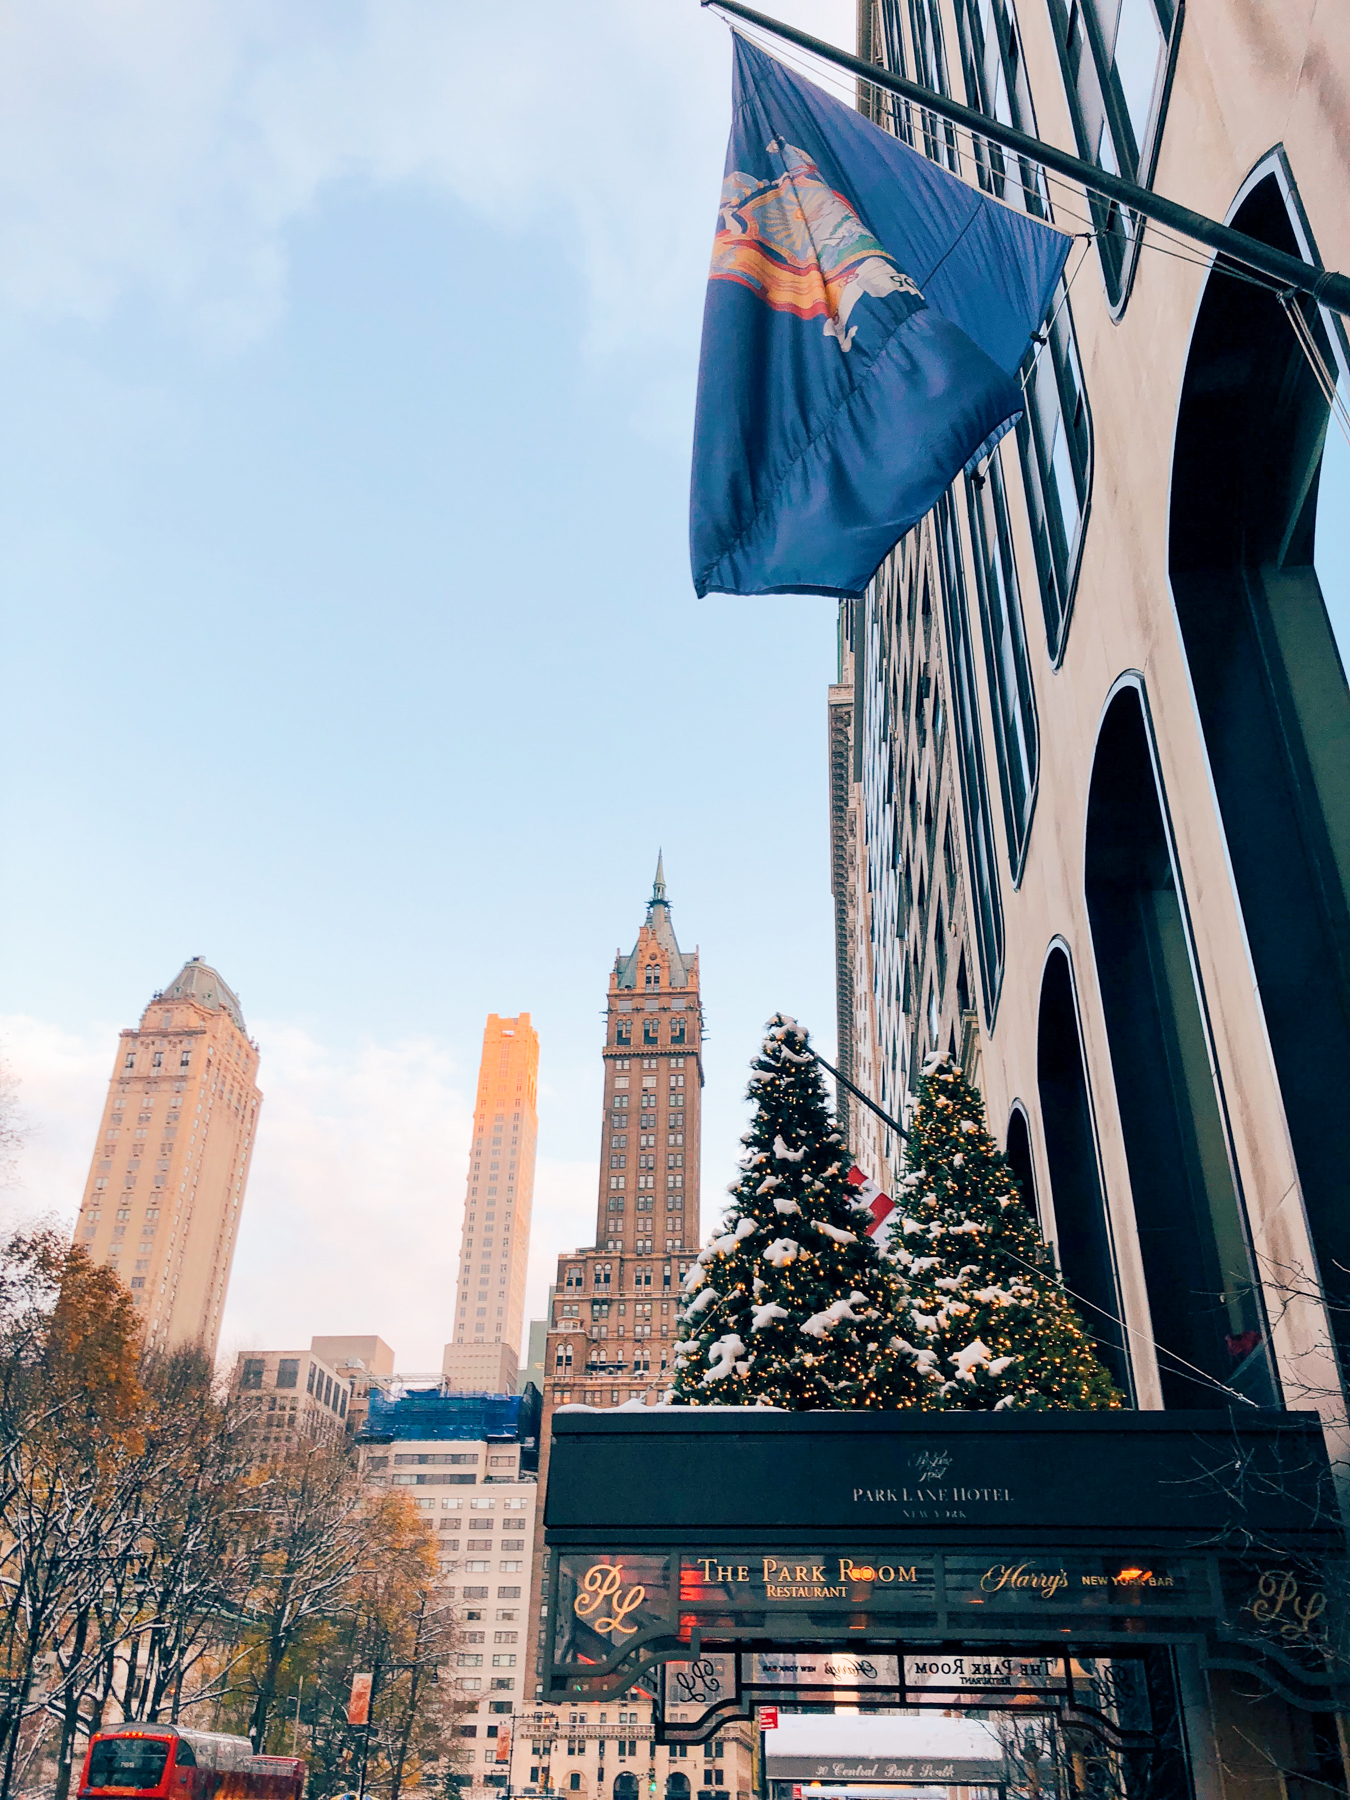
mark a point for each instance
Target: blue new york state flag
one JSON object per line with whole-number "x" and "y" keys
{"x": 866, "y": 315}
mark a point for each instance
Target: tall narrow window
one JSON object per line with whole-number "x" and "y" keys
{"x": 925, "y": 25}
{"x": 1020, "y": 1159}
{"x": 981, "y": 866}
{"x": 886, "y": 48}
{"x": 1005, "y": 655}
{"x": 1253, "y": 464}
{"x": 1054, "y": 436}
{"x": 1114, "y": 54}
{"x": 1189, "y": 1219}
{"x": 1082, "y": 1228}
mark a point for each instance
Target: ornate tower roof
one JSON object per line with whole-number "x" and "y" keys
{"x": 199, "y": 982}
{"x": 659, "y": 928}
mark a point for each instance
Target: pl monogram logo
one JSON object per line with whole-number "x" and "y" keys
{"x": 930, "y": 1465}
{"x": 601, "y": 1584}
{"x": 1281, "y": 1605}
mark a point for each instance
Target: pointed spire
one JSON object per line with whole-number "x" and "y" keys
{"x": 659, "y": 926}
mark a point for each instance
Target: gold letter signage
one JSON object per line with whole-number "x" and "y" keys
{"x": 604, "y": 1582}
{"x": 1280, "y": 1605}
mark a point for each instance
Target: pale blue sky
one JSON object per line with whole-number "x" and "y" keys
{"x": 348, "y": 352}
{"x": 349, "y": 639}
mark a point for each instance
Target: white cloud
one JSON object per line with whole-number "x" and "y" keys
{"x": 356, "y": 1198}
{"x": 352, "y": 1217}
{"x": 162, "y": 149}
{"x": 62, "y": 1077}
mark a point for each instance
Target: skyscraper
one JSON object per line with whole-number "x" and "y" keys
{"x": 166, "y": 1183}
{"x": 499, "y": 1194}
{"x": 612, "y": 1312}
{"x": 614, "y": 1344}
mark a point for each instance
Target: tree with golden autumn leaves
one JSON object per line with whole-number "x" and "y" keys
{"x": 152, "y": 1568}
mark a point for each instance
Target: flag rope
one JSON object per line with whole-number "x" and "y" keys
{"x": 1326, "y": 378}
{"x": 1160, "y": 1350}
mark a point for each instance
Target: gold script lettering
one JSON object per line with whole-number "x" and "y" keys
{"x": 1277, "y": 1589}
{"x": 1046, "y": 1583}
{"x": 602, "y": 1582}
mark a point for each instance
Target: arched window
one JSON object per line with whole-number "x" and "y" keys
{"x": 626, "y": 1786}
{"x": 1082, "y": 1229}
{"x": 1189, "y": 1219}
{"x": 677, "y": 1031}
{"x": 562, "y": 1361}
{"x": 677, "y": 1786}
{"x": 623, "y": 1032}
{"x": 653, "y": 975}
{"x": 1020, "y": 1159}
{"x": 649, "y": 1031}
{"x": 1259, "y": 485}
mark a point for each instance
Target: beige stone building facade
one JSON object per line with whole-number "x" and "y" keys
{"x": 480, "y": 1504}
{"x": 294, "y": 1398}
{"x": 610, "y": 1753}
{"x": 1090, "y": 733}
{"x": 498, "y": 1200}
{"x": 170, "y": 1167}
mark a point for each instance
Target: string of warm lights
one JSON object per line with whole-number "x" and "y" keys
{"x": 793, "y": 1306}
{"x": 984, "y": 1318}
{"x": 790, "y": 1305}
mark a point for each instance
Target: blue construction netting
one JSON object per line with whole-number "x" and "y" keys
{"x": 426, "y": 1415}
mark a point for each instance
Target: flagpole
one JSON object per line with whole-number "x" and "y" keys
{"x": 858, "y": 1094}
{"x": 1323, "y": 285}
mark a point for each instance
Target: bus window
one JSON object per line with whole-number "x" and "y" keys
{"x": 127, "y": 1762}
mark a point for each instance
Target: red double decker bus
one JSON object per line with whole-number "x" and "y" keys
{"x": 169, "y": 1763}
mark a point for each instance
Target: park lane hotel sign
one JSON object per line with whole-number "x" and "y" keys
{"x": 928, "y": 1498}
{"x": 684, "y": 1534}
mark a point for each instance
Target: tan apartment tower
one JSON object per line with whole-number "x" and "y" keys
{"x": 166, "y": 1183}
{"x": 499, "y": 1195}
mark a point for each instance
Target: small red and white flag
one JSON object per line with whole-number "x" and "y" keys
{"x": 881, "y": 1205}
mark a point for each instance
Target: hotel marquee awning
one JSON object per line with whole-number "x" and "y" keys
{"x": 680, "y": 1532}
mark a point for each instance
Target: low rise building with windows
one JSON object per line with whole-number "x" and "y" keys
{"x": 608, "y": 1752}
{"x": 469, "y": 1462}
{"x": 296, "y": 1398}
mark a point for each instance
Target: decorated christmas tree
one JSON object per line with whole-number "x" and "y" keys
{"x": 791, "y": 1304}
{"x": 984, "y": 1321}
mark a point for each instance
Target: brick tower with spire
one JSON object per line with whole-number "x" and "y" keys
{"x": 607, "y": 1341}
{"x": 611, "y": 1328}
